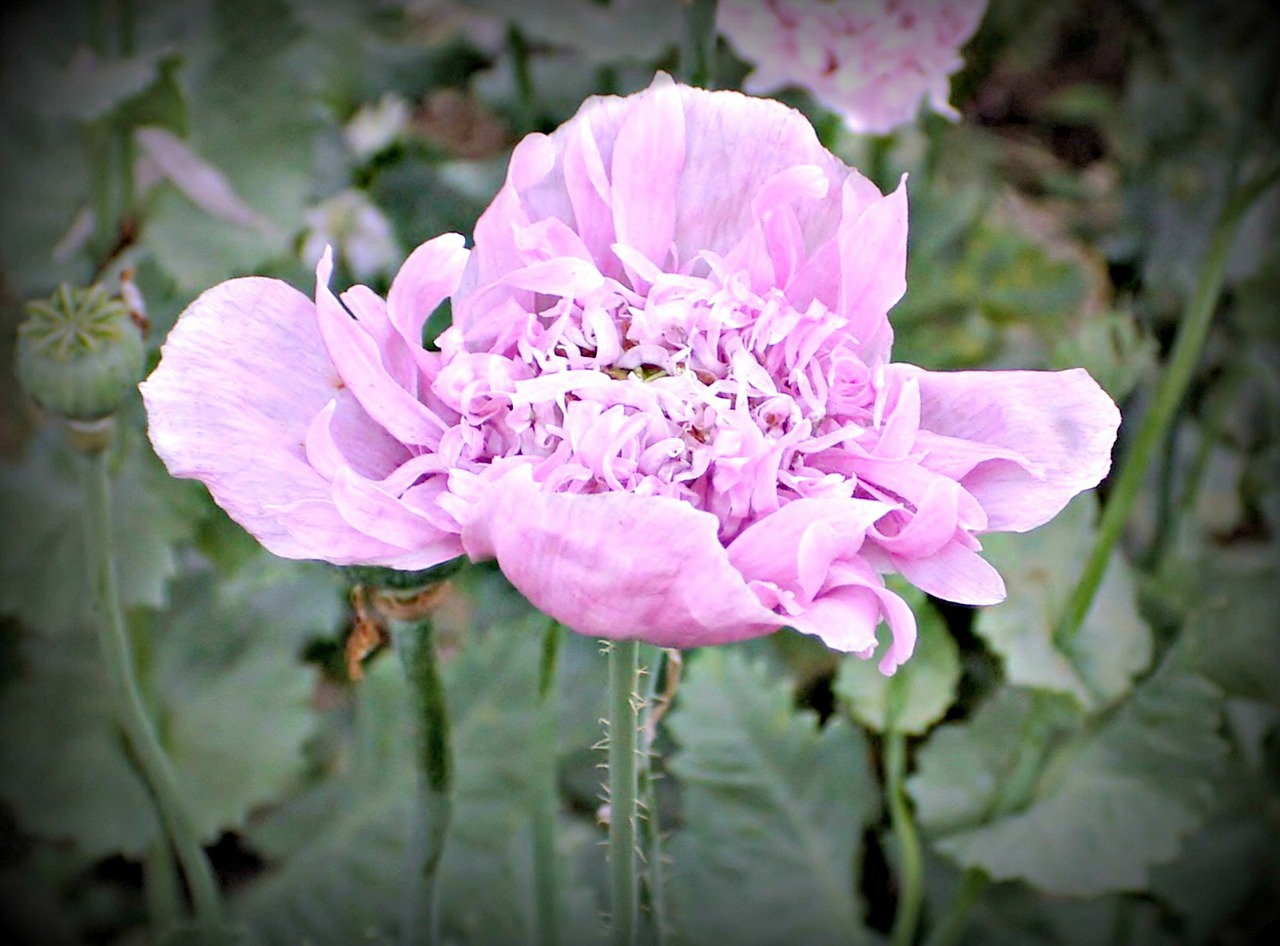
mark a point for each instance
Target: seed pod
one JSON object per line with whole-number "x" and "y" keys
{"x": 80, "y": 354}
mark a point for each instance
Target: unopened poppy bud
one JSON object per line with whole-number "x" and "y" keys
{"x": 80, "y": 354}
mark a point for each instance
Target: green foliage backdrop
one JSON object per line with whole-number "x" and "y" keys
{"x": 1122, "y": 788}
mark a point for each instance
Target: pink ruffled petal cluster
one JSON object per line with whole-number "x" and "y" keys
{"x": 872, "y": 61}
{"x": 665, "y": 405}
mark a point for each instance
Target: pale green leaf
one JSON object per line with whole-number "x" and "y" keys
{"x": 593, "y": 31}
{"x": 1112, "y": 348}
{"x": 774, "y": 809}
{"x": 962, "y": 768}
{"x": 1113, "y": 802}
{"x": 233, "y": 699}
{"x": 921, "y": 691}
{"x": 231, "y": 702}
{"x": 1040, "y": 570}
{"x": 254, "y": 117}
{"x": 44, "y": 190}
{"x": 338, "y": 851}
{"x": 90, "y": 86}
{"x": 42, "y": 575}
{"x": 1224, "y": 864}
{"x": 63, "y": 767}
{"x": 1232, "y": 627}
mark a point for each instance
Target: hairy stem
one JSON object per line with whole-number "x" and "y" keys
{"x": 547, "y": 806}
{"x": 655, "y": 659}
{"x": 433, "y": 808}
{"x": 117, "y": 657}
{"x": 623, "y": 667}
{"x": 1192, "y": 332}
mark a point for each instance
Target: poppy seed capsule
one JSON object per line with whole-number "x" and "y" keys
{"x": 80, "y": 354}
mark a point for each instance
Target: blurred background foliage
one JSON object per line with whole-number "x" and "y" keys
{"x": 1123, "y": 790}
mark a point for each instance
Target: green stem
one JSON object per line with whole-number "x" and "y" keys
{"x": 547, "y": 807}
{"x": 623, "y": 667}
{"x": 522, "y": 74}
{"x": 433, "y": 808}
{"x": 911, "y": 860}
{"x": 655, "y": 659}
{"x": 953, "y": 922}
{"x": 699, "y": 53}
{"x": 162, "y": 887}
{"x": 127, "y": 34}
{"x": 117, "y": 657}
{"x": 112, "y": 29}
{"x": 1172, "y": 387}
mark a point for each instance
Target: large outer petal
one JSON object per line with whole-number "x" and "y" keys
{"x": 240, "y": 378}
{"x": 616, "y": 565}
{"x": 1062, "y": 422}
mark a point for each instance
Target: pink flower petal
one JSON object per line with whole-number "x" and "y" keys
{"x": 1061, "y": 421}
{"x": 240, "y": 378}
{"x": 953, "y": 573}
{"x": 736, "y": 145}
{"x": 376, "y": 513}
{"x": 648, "y": 155}
{"x": 873, "y": 267}
{"x": 616, "y": 565}
{"x": 783, "y": 549}
{"x": 425, "y": 280}
{"x": 844, "y": 620}
{"x": 359, "y": 362}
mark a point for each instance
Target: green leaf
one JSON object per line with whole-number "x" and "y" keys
{"x": 231, "y": 704}
{"x": 254, "y": 116}
{"x": 1231, "y": 631}
{"x": 1040, "y": 570}
{"x": 962, "y": 768}
{"x": 592, "y": 31}
{"x": 1112, "y": 348}
{"x": 195, "y": 935}
{"x": 161, "y": 104}
{"x": 1112, "y": 803}
{"x": 44, "y": 188}
{"x": 43, "y": 584}
{"x": 339, "y": 849}
{"x": 1016, "y": 915}
{"x": 91, "y": 87}
{"x": 774, "y": 809}
{"x": 63, "y": 767}
{"x": 921, "y": 691}
{"x": 1226, "y": 863}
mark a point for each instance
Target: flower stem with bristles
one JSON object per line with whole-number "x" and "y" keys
{"x": 624, "y": 665}
{"x": 663, "y": 669}
{"x": 117, "y": 658}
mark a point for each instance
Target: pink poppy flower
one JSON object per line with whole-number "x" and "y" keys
{"x": 872, "y": 61}
{"x": 665, "y": 405}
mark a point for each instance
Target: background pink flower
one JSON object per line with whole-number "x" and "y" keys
{"x": 665, "y": 406}
{"x": 873, "y": 61}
